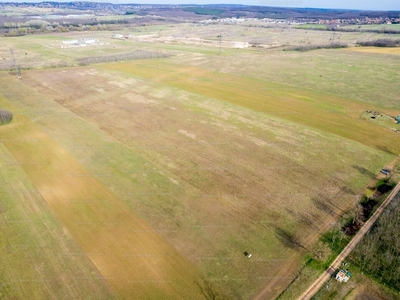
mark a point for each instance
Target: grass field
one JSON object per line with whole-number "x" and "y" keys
{"x": 118, "y": 17}
{"x": 342, "y": 73}
{"x": 375, "y": 27}
{"x": 313, "y": 109}
{"x": 208, "y": 155}
{"x": 189, "y": 175}
{"x": 311, "y": 26}
{"x": 134, "y": 259}
{"x": 40, "y": 260}
{"x": 23, "y": 11}
{"x": 347, "y": 74}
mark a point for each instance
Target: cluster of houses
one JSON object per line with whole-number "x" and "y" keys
{"x": 234, "y": 20}
{"x": 359, "y": 21}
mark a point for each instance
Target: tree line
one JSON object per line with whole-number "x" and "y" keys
{"x": 360, "y": 29}
{"x": 380, "y": 43}
{"x": 309, "y": 47}
{"x": 378, "y": 253}
{"x": 20, "y": 28}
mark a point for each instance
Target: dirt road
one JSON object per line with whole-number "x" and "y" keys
{"x": 314, "y": 288}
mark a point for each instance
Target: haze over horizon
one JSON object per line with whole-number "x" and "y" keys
{"x": 338, "y": 4}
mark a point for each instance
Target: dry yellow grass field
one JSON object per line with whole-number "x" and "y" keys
{"x": 380, "y": 50}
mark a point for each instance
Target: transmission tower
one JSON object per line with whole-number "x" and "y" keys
{"x": 15, "y": 64}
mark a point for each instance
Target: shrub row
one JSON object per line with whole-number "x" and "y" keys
{"x": 313, "y": 47}
{"x": 122, "y": 57}
{"x": 380, "y": 43}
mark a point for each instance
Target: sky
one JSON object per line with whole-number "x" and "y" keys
{"x": 346, "y": 4}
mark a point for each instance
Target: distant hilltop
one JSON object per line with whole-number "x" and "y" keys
{"x": 83, "y": 5}
{"x": 27, "y": 18}
{"x": 222, "y": 10}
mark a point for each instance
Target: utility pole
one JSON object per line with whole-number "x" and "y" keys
{"x": 15, "y": 64}
{"x": 333, "y": 36}
{"x": 220, "y": 40}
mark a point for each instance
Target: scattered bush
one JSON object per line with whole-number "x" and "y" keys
{"x": 5, "y": 117}
{"x": 335, "y": 239}
{"x": 313, "y": 47}
{"x": 321, "y": 251}
{"x": 385, "y": 185}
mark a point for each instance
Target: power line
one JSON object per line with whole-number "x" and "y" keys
{"x": 17, "y": 68}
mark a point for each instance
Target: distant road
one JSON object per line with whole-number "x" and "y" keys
{"x": 316, "y": 286}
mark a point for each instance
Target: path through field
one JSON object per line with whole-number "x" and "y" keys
{"x": 316, "y": 286}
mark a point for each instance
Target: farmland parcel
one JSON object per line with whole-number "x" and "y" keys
{"x": 164, "y": 171}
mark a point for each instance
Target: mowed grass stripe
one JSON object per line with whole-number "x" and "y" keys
{"x": 136, "y": 261}
{"x": 314, "y": 109}
{"x": 34, "y": 247}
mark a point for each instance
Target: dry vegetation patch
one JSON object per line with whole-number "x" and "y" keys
{"x": 380, "y": 50}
